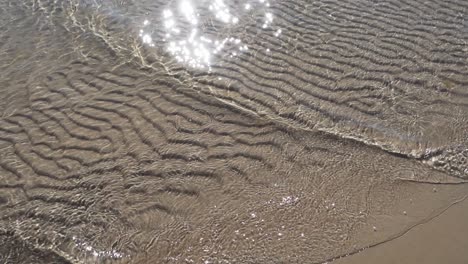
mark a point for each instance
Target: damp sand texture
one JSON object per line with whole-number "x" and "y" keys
{"x": 227, "y": 131}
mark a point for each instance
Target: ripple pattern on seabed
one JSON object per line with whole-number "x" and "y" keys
{"x": 211, "y": 131}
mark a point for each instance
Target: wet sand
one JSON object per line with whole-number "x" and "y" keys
{"x": 443, "y": 239}
{"x": 315, "y": 132}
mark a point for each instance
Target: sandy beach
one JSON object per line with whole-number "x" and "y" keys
{"x": 441, "y": 240}
{"x": 155, "y": 131}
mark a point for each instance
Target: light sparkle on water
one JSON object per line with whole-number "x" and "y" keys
{"x": 185, "y": 36}
{"x": 114, "y": 254}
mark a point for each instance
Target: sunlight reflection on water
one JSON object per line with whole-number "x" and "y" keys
{"x": 190, "y": 30}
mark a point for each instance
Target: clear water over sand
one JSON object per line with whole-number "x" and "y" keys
{"x": 226, "y": 131}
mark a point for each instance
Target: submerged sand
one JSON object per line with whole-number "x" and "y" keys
{"x": 342, "y": 131}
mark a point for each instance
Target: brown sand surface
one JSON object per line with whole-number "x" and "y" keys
{"x": 443, "y": 239}
{"x": 320, "y": 127}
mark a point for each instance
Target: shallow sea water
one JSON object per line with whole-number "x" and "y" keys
{"x": 226, "y": 131}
